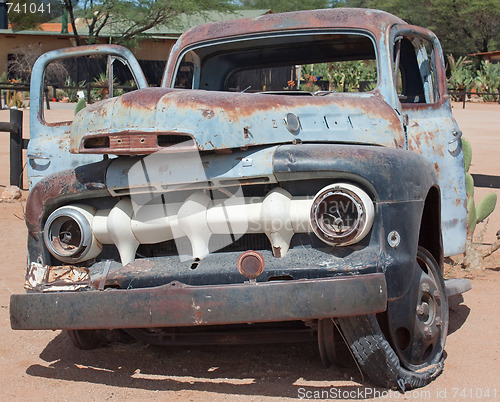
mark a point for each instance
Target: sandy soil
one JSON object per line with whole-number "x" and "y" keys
{"x": 43, "y": 365}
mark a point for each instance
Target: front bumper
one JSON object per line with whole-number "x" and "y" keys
{"x": 176, "y": 304}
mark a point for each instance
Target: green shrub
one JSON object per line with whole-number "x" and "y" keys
{"x": 475, "y": 213}
{"x": 488, "y": 80}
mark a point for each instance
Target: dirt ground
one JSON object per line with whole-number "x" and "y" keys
{"x": 43, "y": 365}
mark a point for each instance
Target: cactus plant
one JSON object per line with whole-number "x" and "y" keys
{"x": 475, "y": 213}
{"x": 80, "y": 105}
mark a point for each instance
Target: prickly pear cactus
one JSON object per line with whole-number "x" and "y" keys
{"x": 475, "y": 213}
{"x": 80, "y": 105}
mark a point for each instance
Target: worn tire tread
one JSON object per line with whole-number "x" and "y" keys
{"x": 377, "y": 358}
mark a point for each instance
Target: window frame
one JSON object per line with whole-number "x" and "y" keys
{"x": 436, "y": 62}
{"x": 304, "y": 32}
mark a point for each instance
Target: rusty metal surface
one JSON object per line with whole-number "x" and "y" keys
{"x": 221, "y": 268}
{"x": 226, "y": 120}
{"x": 44, "y": 278}
{"x": 355, "y": 18}
{"x": 176, "y": 304}
{"x": 430, "y": 132}
{"x": 85, "y": 181}
{"x": 370, "y": 20}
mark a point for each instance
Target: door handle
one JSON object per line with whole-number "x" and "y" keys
{"x": 457, "y": 134}
{"x": 35, "y": 156}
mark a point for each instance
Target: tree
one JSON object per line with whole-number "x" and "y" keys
{"x": 129, "y": 19}
{"x": 466, "y": 26}
{"x": 23, "y": 59}
{"x": 462, "y": 26}
{"x": 279, "y": 6}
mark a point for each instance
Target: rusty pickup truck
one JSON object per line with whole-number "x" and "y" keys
{"x": 262, "y": 191}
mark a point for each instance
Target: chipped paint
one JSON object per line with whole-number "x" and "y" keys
{"x": 44, "y": 278}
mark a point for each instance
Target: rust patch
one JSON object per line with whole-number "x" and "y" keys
{"x": 115, "y": 277}
{"x": 238, "y": 106}
{"x": 224, "y": 151}
{"x": 135, "y": 142}
{"x": 146, "y": 98}
{"x": 140, "y": 265}
{"x": 45, "y": 278}
{"x": 56, "y": 189}
{"x": 199, "y": 317}
{"x": 277, "y": 252}
{"x": 207, "y": 114}
{"x": 56, "y": 124}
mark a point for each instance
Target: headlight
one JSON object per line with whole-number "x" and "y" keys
{"x": 341, "y": 214}
{"x": 68, "y": 234}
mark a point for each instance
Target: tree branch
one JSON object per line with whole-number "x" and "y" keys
{"x": 69, "y": 7}
{"x": 98, "y": 30}
{"x": 160, "y": 17}
{"x": 494, "y": 247}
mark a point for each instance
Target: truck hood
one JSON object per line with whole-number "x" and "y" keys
{"x": 153, "y": 119}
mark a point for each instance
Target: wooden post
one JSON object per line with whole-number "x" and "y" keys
{"x": 16, "y": 148}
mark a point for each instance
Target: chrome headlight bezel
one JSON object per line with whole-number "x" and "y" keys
{"x": 78, "y": 220}
{"x": 341, "y": 214}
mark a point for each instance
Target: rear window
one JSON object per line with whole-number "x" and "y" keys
{"x": 291, "y": 63}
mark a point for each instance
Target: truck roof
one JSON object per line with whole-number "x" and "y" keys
{"x": 374, "y": 21}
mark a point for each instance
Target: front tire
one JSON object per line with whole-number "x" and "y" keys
{"x": 409, "y": 352}
{"x": 85, "y": 339}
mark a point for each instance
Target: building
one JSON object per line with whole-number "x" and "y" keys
{"x": 489, "y": 57}
{"x": 152, "y": 52}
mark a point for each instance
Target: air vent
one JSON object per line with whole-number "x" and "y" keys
{"x": 134, "y": 190}
{"x": 96, "y": 142}
{"x": 174, "y": 139}
{"x": 251, "y": 180}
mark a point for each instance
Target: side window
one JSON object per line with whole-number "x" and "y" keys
{"x": 415, "y": 71}
{"x": 68, "y": 80}
{"x": 188, "y": 71}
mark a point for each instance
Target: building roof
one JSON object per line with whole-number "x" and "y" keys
{"x": 486, "y": 54}
{"x": 187, "y": 22}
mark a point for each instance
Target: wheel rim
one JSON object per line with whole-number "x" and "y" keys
{"x": 418, "y": 322}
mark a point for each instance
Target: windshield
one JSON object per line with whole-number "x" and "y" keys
{"x": 288, "y": 63}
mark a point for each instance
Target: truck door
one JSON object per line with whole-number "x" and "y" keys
{"x": 48, "y": 149}
{"x": 431, "y": 130}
